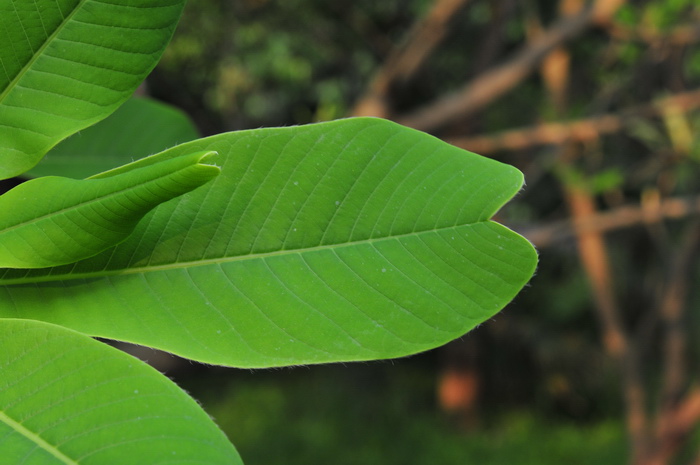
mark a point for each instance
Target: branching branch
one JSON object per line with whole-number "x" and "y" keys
{"x": 408, "y": 57}
{"x": 490, "y": 85}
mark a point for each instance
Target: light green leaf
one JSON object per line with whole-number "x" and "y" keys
{"x": 66, "y": 64}
{"x": 139, "y": 128}
{"x": 351, "y": 240}
{"x": 54, "y": 221}
{"x": 67, "y": 399}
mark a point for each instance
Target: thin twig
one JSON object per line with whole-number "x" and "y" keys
{"x": 599, "y": 222}
{"x": 681, "y": 35}
{"x": 578, "y": 130}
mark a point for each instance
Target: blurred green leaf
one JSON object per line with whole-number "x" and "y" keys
{"x": 139, "y": 128}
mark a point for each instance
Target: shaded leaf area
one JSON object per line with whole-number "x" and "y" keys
{"x": 139, "y": 128}
{"x": 67, "y": 399}
{"x": 351, "y": 240}
{"x": 66, "y": 65}
{"x": 53, "y": 221}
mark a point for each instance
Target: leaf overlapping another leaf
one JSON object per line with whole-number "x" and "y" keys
{"x": 68, "y": 399}
{"x": 53, "y": 220}
{"x": 66, "y": 64}
{"x": 137, "y": 129}
{"x": 352, "y": 240}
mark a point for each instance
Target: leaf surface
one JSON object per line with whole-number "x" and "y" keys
{"x": 66, "y": 64}
{"x": 139, "y": 128}
{"x": 68, "y": 399}
{"x": 351, "y": 240}
{"x": 53, "y": 220}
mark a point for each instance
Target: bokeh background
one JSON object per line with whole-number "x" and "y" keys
{"x": 596, "y": 361}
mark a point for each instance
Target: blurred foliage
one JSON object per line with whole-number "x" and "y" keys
{"x": 384, "y": 413}
{"x": 249, "y": 63}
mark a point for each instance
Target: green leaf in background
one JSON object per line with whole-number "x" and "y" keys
{"x": 139, "y": 128}
{"x": 53, "y": 221}
{"x": 351, "y": 240}
{"x": 68, "y": 399}
{"x": 67, "y": 64}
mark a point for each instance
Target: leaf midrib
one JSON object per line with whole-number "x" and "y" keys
{"x": 49, "y": 40}
{"x": 35, "y": 438}
{"x": 221, "y": 260}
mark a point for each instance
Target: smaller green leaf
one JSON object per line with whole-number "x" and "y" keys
{"x": 152, "y": 127}
{"x": 68, "y": 399}
{"x": 54, "y": 221}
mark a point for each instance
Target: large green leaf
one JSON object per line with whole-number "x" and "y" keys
{"x": 67, "y": 399}
{"x": 350, "y": 240}
{"x": 139, "y": 128}
{"x": 53, "y": 220}
{"x": 66, "y": 64}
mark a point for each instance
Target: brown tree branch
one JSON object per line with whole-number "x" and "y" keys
{"x": 594, "y": 257}
{"x": 617, "y": 218}
{"x": 578, "y": 130}
{"x": 490, "y": 85}
{"x": 593, "y": 253}
{"x": 680, "y": 35}
{"x": 672, "y": 314}
{"x": 679, "y": 425}
{"x": 408, "y": 57}
{"x": 676, "y": 416}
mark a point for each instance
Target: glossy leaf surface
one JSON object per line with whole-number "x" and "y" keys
{"x": 139, "y": 128}
{"x": 53, "y": 221}
{"x": 66, "y": 64}
{"x": 351, "y": 240}
{"x": 68, "y": 399}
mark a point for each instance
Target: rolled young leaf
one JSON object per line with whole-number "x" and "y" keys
{"x": 67, "y": 64}
{"x": 68, "y": 399}
{"x": 351, "y": 240}
{"x": 53, "y": 221}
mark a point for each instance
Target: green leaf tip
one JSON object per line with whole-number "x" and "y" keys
{"x": 54, "y": 221}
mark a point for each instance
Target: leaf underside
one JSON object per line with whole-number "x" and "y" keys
{"x": 352, "y": 240}
{"x": 68, "y": 399}
{"x": 66, "y": 64}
